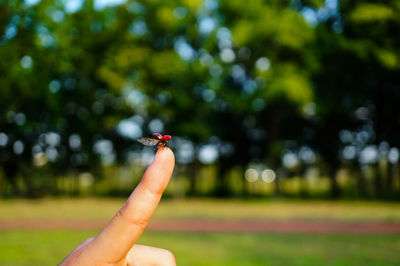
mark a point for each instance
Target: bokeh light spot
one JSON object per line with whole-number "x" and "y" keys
{"x": 251, "y": 175}
{"x": 268, "y": 176}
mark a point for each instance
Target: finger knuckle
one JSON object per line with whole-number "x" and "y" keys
{"x": 135, "y": 220}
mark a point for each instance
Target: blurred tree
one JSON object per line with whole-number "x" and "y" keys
{"x": 56, "y": 111}
{"x": 357, "y": 88}
{"x": 263, "y": 81}
{"x": 218, "y": 82}
{"x": 240, "y": 83}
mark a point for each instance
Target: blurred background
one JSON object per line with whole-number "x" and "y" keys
{"x": 281, "y": 111}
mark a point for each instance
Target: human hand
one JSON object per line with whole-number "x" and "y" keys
{"x": 115, "y": 245}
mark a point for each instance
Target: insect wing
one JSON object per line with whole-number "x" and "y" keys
{"x": 148, "y": 141}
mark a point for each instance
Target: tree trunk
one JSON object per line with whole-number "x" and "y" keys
{"x": 245, "y": 190}
{"x": 389, "y": 180}
{"x": 334, "y": 189}
{"x": 277, "y": 192}
{"x": 304, "y": 193}
{"x": 361, "y": 183}
{"x": 222, "y": 187}
{"x": 378, "y": 181}
{"x": 192, "y": 172}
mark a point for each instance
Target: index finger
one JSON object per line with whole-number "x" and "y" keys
{"x": 121, "y": 233}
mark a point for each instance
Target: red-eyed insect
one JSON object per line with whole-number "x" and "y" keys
{"x": 158, "y": 143}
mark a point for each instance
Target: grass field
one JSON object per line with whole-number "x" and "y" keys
{"x": 277, "y": 210}
{"x": 48, "y": 247}
{"x": 19, "y": 248}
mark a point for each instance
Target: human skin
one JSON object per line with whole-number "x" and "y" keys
{"x": 116, "y": 243}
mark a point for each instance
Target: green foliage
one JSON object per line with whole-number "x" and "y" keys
{"x": 245, "y": 78}
{"x": 370, "y": 13}
{"x": 286, "y": 81}
{"x": 313, "y": 3}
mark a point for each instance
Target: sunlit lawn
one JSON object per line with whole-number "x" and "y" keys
{"x": 89, "y": 209}
{"x": 49, "y": 247}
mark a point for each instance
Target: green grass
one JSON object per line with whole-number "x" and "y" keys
{"x": 19, "y": 248}
{"x": 48, "y": 247}
{"x": 89, "y": 209}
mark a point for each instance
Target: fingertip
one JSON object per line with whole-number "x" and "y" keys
{"x": 158, "y": 174}
{"x": 165, "y": 156}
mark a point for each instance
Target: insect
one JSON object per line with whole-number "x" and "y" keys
{"x": 158, "y": 143}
